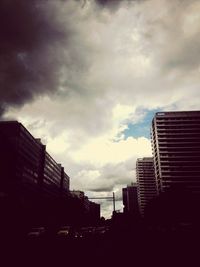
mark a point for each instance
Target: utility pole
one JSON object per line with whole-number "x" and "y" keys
{"x": 113, "y": 201}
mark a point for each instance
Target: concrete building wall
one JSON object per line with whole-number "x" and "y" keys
{"x": 176, "y": 150}
{"x": 146, "y": 182}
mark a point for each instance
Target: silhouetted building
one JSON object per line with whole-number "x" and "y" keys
{"x": 77, "y": 193}
{"x": 52, "y": 175}
{"x": 84, "y": 211}
{"x": 21, "y": 157}
{"x": 146, "y": 182}
{"x": 34, "y": 185}
{"x": 65, "y": 181}
{"x": 29, "y": 177}
{"x": 176, "y": 150}
{"x": 91, "y": 211}
{"x": 95, "y": 212}
{"x": 130, "y": 200}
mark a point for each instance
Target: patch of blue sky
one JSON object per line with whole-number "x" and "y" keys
{"x": 141, "y": 128}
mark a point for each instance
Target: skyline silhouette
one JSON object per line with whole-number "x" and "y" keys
{"x": 28, "y": 169}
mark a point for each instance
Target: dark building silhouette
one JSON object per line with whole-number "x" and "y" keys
{"x": 31, "y": 182}
{"x": 21, "y": 156}
{"x": 130, "y": 200}
{"x": 176, "y": 150}
{"x": 146, "y": 182}
{"x": 25, "y": 161}
{"x": 89, "y": 212}
{"x": 65, "y": 181}
{"x": 34, "y": 188}
{"x": 52, "y": 176}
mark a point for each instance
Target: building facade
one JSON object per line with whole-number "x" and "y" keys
{"x": 21, "y": 157}
{"x": 32, "y": 183}
{"x": 130, "y": 200}
{"x": 65, "y": 181}
{"x": 145, "y": 176}
{"x": 85, "y": 212}
{"x": 176, "y": 150}
{"x": 25, "y": 161}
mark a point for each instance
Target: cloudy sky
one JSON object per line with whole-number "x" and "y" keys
{"x": 87, "y": 77}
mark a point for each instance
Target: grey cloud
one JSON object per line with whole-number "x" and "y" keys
{"x": 111, "y": 4}
{"x": 29, "y": 51}
{"x": 115, "y": 4}
{"x": 113, "y": 175}
{"x": 175, "y": 37}
{"x": 46, "y": 49}
{"x": 184, "y": 58}
{"x": 110, "y": 176}
{"x": 50, "y": 46}
{"x": 101, "y": 189}
{"x": 40, "y": 50}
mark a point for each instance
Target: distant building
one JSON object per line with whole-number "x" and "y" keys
{"x": 78, "y": 194}
{"x": 86, "y": 211}
{"x": 176, "y": 150}
{"x": 64, "y": 182}
{"x": 95, "y": 211}
{"x": 146, "y": 182}
{"x": 130, "y": 199}
{"x": 92, "y": 212}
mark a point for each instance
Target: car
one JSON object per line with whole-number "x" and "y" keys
{"x": 64, "y": 231}
{"x": 36, "y": 232}
{"x": 77, "y": 234}
{"x": 101, "y": 230}
{"x": 87, "y": 231}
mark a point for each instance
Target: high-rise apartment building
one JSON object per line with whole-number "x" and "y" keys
{"x": 176, "y": 150}
{"x": 146, "y": 182}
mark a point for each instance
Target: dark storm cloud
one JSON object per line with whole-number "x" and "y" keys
{"x": 109, "y": 3}
{"x": 30, "y": 41}
{"x": 114, "y": 4}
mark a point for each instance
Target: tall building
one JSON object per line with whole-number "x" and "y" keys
{"x": 51, "y": 175}
{"x": 21, "y": 158}
{"x": 130, "y": 199}
{"x": 176, "y": 150}
{"x": 34, "y": 184}
{"x": 146, "y": 182}
{"x": 31, "y": 181}
{"x": 65, "y": 181}
{"x": 24, "y": 161}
